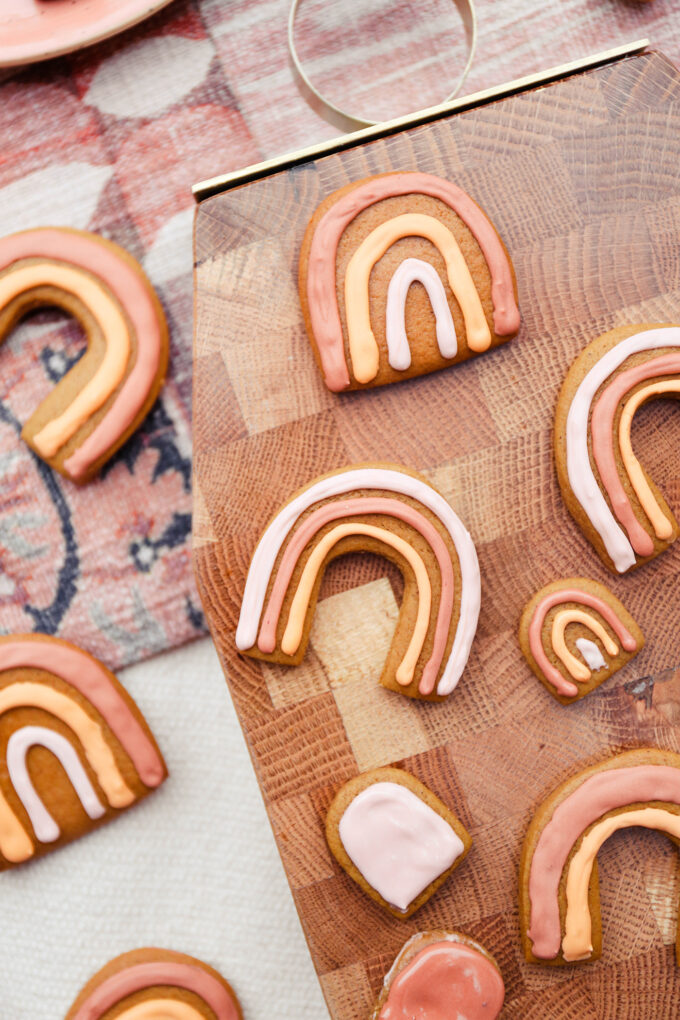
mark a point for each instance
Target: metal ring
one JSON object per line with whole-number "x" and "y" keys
{"x": 347, "y": 121}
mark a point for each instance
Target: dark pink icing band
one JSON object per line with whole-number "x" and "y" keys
{"x": 354, "y": 507}
{"x": 555, "y": 598}
{"x": 94, "y": 683}
{"x": 605, "y": 791}
{"x": 602, "y": 432}
{"x": 321, "y": 283}
{"x": 148, "y": 975}
{"x": 88, "y": 253}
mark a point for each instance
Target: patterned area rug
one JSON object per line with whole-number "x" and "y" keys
{"x": 111, "y": 139}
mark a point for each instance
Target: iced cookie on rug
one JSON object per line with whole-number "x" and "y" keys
{"x": 395, "y": 838}
{"x": 104, "y": 397}
{"x": 439, "y": 975}
{"x": 400, "y": 275}
{"x": 395, "y": 513}
{"x": 607, "y": 490}
{"x": 156, "y": 984}
{"x": 77, "y": 750}
{"x": 558, "y": 892}
{"x": 575, "y": 634}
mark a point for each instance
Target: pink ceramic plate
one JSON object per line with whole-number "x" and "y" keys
{"x": 37, "y": 29}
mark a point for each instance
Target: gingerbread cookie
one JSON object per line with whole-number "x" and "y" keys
{"x": 91, "y": 411}
{"x": 558, "y": 893}
{"x": 156, "y": 984}
{"x": 605, "y": 487}
{"x": 390, "y": 511}
{"x": 439, "y": 975}
{"x": 575, "y": 634}
{"x": 395, "y": 838}
{"x": 366, "y": 245}
{"x": 77, "y": 750}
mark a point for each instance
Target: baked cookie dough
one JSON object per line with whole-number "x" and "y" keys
{"x": 104, "y": 397}
{"x": 439, "y": 975}
{"x": 558, "y": 892}
{"x": 393, "y": 512}
{"x": 400, "y": 275}
{"x": 606, "y": 489}
{"x": 575, "y": 634}
{"x": 395, "y": 838}
{"x": 77, "y": 750}
{"x": 156, "y": 984}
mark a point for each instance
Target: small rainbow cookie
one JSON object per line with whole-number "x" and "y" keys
{"x": 91, "y": 411}
{"x": 366, "y": 245}
{"x": 605, "y": 487}
{"x": 384, "y": 509}
{"x": 395, "y": 838}
{"x": 439, "y": 975}
{"x": 156, "y": 984}
{"x": 575, "y": 634}
{"x": 559, "y": 900}
{"x": 76, "y": 750}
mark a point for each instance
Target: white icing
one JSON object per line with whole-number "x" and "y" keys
{"x": 397, "y": 842}
{"x": 581, "y": 478}
{"x": 389, "y": 480}
{"x": 408, "y": 272}
{"x": 591, "y": 653}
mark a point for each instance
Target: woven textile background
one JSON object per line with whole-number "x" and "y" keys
{"x": 111, "y": 140}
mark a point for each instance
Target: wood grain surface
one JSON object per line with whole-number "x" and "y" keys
{"x": 581, "y": 180}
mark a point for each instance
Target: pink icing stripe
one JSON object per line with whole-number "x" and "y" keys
{"x": 321, "y": 284}
{"x": 602, "y": 432}
{"x": 148, "y": 975}
{"x": 93, "y": 682}
{"x": 602, "y": 792}
{"x": 88, "y": 253}
{"x": 555, "y": 598}
{"x": 353, "y": 507}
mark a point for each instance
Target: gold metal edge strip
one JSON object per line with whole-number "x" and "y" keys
{"x": 214, "y": 185}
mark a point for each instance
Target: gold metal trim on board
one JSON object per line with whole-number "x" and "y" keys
{"x": 214, "y": 185}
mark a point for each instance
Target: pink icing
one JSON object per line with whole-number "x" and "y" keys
{"x": 602, "y": 792}
{"x": 92, "y": 680}
{"x": 321, "y": 284}
{"x": 445, "y": 980}
{"x": 148, "y": 975}
{"x": 556, "y": 598}
{"x": 88, "y": 253}
{"x": 347, "y": 508}
{"x": 602, "y": 431}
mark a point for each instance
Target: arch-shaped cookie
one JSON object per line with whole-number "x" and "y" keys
{"x": 104, "y": 397}
{"x": 388, "y": 510}
{"x": 356, "y": 314}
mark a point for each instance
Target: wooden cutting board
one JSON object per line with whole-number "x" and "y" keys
{"x": 582, "y": 180}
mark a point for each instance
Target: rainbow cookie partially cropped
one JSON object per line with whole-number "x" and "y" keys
{"x": 439, "y": 975}
{"x": 364, "y": 248}
{"x": 575, "y": 634}
{"x": 605, "y": 487}
{"x": 76, "y": 750}
{"x": 558, "y": 890}
{"x": 156, "y": 984}
{"x": 390, "y": 511}
{"x": 91, "y": 411}
{"x": 395, "y": 838}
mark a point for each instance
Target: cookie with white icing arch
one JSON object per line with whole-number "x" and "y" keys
{"x": 107, "y": 394}
{"x": 607, "y": 490}
{"x": 395, "y": 838}
{"x": 392, "y": 512}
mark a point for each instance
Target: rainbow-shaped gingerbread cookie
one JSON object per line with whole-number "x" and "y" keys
{"x": 367, "y": 245}
{"x": 390, "y": 511}
{"x": 104, "y": 397}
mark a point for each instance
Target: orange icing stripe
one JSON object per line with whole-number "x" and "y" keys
{"x": 298, "y": 610}
{"x": 161, "y": 1009}
{"x": 363, "y": 347}
{"x": 571, "y": 663}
